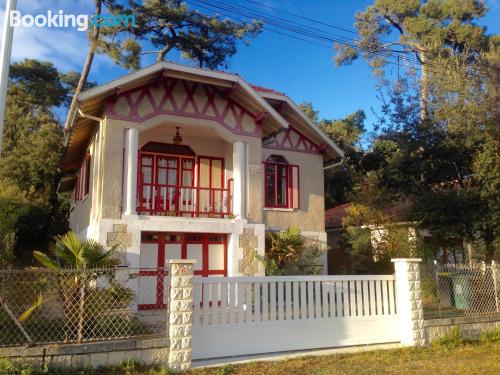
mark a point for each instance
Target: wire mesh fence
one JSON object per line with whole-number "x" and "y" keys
{"x": 460, "y": 290}
{"x": 70, "y": 306}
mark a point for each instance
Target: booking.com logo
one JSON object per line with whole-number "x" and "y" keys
{"x": 60, "y": 20}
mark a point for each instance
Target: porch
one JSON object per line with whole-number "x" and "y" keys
{"x": 183, "y": 171}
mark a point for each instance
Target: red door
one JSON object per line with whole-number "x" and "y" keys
{"x": 157, "y": 248}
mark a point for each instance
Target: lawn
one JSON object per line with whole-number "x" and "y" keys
{"x": 483, "y": 358}
{"x": 466, "y": 359}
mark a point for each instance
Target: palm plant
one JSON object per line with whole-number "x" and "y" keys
{"x": 68, "y": 251}
{"x": 80, "y": 256}
{"x": 285, "y": 246}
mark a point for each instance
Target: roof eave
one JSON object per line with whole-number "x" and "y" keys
{"x": 166, "y": 66}
{"x": 306, "y": 119}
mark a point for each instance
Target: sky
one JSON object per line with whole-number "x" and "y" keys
{"x": 305, "y": 72}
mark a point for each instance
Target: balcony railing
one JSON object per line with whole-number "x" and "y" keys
{"x": 174, "y": 200}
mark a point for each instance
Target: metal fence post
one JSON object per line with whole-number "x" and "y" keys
{"x": 436, "y": 281}
{"x": 494, "y": 274}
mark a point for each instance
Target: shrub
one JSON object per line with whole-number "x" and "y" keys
{"x": 491, "y": 335}
{"x": 450, "y": 340}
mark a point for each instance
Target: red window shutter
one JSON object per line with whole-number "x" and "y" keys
{"x": 294, "y": 186}
{"x": 86, "y": 187}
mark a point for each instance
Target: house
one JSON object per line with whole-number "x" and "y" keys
{"x": 177, "y": 162}
{"x": 446, "y": 251}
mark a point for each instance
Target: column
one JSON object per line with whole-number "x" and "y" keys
{"x": 239, "y": 179}
{"x": 131, "y": 155}
{"x": 409, "y": 301}
{"x": 180, "y": 311}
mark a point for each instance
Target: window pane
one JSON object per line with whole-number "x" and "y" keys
{"x": 270, "y": 185}
{"x": 162, "y": 176}
{"x": 162, "y": 162}
{"x": 216, "y": 173}
{"x": 282, "y": 185}
{"x": 187, "y": 178}
{"x": 187, "y": 164}
{"x": 147, "y": 160}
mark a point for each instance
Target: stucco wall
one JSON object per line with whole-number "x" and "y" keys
{"x": 81, "y": 212}
{"x": 255, "y": 178}
{"x": 311, "y": 214}
{"x": 112, "y": 168}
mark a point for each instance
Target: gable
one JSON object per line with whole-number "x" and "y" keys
{"x": 178, "y": 97}
{"x": 292, "y": 140}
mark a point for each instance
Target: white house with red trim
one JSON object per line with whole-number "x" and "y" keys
{"x": 173, "y": 161}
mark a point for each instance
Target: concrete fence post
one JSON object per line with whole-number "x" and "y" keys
{"x": 180, "y": 314}
{"x": 409, "y": 301}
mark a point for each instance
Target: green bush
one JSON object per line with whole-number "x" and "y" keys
{"x": 450, "y": 340}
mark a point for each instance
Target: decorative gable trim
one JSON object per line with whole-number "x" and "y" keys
{"x": 293, "y": 140}
{"x": 182, "y": 98}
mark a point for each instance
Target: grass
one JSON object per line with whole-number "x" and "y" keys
{"x": 469, "y": 358}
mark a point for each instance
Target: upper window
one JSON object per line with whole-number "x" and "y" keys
{"x": 82, "y": 179}
{"x": 281, "y": 183}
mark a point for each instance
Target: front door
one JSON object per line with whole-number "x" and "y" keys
{"x": 157, "y": 248}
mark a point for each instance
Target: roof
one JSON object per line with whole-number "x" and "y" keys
{"x": 335, "y": 215}
{"x": 255, "y": 98}
{"x": 266, "y": 90}
{"x": 291, "y": 112}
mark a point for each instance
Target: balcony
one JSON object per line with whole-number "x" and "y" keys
{"x": 173, "y": 200}
{"x": 204, "y": 176}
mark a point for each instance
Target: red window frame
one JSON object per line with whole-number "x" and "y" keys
{"x": 210, "y": 187}
{"x": 290, "y": 171}
{"x": 155, "y": 186}
{"x": 82, "y": 185}
{"x": 161, "y": 272}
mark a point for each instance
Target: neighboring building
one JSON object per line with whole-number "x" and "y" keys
{"x": 179, "y": 162}
{"x": 340, "y": 260}
{"x": 447, "y": 251}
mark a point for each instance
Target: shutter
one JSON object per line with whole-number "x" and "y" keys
{"x": 294, "y": 185}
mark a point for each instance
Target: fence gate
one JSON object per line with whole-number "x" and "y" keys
{"x": 252, "y": 315}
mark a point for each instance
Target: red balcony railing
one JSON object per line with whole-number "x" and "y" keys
{"x": 174, "y": 200}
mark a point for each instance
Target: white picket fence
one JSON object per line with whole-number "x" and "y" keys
{"x": 251, "y": 315}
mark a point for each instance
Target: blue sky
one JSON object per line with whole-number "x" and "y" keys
{"x": 303, "y": 71}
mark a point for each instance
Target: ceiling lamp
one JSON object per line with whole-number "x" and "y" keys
{"x": 177, "y": 137}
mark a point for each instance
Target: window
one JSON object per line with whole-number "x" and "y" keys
{"x": 281, "y": 183}
{"x": 82, "y": 179}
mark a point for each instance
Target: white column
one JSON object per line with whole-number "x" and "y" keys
{"x": 239, "y": 178}
{"x": 409, "y": 301}
{"x": 5, "y": 52}
{"x": 131, "y": 155}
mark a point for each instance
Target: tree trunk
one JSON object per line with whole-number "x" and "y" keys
{"x": 94, "y": 37}
{"x": 424, "y": 88}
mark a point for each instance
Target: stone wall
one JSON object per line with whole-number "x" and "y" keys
{"x": 119, "y": 238}
{"x": 150, "y": 351}
{"x": 249, "y": 265}
{"x": 470, "y": 327}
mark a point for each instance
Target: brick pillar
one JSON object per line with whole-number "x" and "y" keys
{"x": 180, "y": 312}
{"x": 409, "y": 301}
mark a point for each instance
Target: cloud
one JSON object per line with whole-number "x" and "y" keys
{"x": 66, "y": 48}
